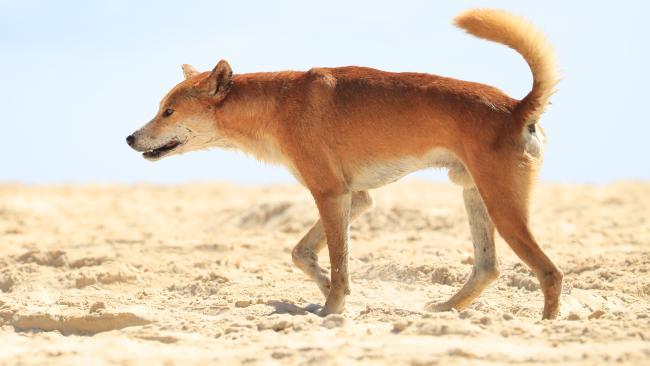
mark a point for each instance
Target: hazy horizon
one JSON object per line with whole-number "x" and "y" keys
{"x": 79, "y": 77}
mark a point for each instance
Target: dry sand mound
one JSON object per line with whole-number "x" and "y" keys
{"x": 203, "y": 273}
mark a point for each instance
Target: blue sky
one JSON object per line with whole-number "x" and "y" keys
{"x": 78, "y": 76}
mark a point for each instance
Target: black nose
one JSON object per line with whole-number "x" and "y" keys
{"x": 130, "y": 140}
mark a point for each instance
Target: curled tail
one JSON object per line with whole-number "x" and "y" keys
{"x": 520, "y": 35}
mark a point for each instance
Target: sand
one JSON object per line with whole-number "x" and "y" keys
{"x": 202, "y": 273}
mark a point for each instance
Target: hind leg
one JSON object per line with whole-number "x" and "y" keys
{"x": 305, "y": 255}
{"x": 485, "y": 269}
{"x": 517, "y": 234}
{"x": 505, "y": 190}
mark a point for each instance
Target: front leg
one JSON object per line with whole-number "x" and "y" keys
{"x": 335, "y": 217}
{"x": 305, "y": 257}
{"x": 305, "y": 253}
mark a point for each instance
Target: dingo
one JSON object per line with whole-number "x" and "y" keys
{"x": 343, "y": 131}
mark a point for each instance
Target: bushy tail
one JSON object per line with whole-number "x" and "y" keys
{"x": 520, "y": 35}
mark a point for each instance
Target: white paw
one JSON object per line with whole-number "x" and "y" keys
{"x": 324, "y": 285}
{"x": 436, "y": 307}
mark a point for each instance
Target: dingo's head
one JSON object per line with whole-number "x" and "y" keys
{"x": 186, "y": 118}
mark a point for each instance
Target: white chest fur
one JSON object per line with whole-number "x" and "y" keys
{"x": 266, "y": 149}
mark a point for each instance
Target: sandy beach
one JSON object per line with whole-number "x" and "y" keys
{"x": 202, "y": 273}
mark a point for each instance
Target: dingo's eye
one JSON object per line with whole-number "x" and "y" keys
{"x": 168, "y": 112}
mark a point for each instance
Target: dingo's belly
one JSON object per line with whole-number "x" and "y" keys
{"x": 378, "y": 174}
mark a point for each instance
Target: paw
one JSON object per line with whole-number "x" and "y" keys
{"x": 316, "y": 309}
{"x": 319, "y": 310}
{"x": 436, "y": 307}
{"x": 324, "y": 285}
{"x": 551, "y": 310}
{"x": 335, "y": 304}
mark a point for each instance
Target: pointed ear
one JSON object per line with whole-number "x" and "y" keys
{"x": 219, "y": 81}
{"x": 189, "y": 71}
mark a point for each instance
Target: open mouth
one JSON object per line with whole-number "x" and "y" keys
{"x": 161, "y": 151}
